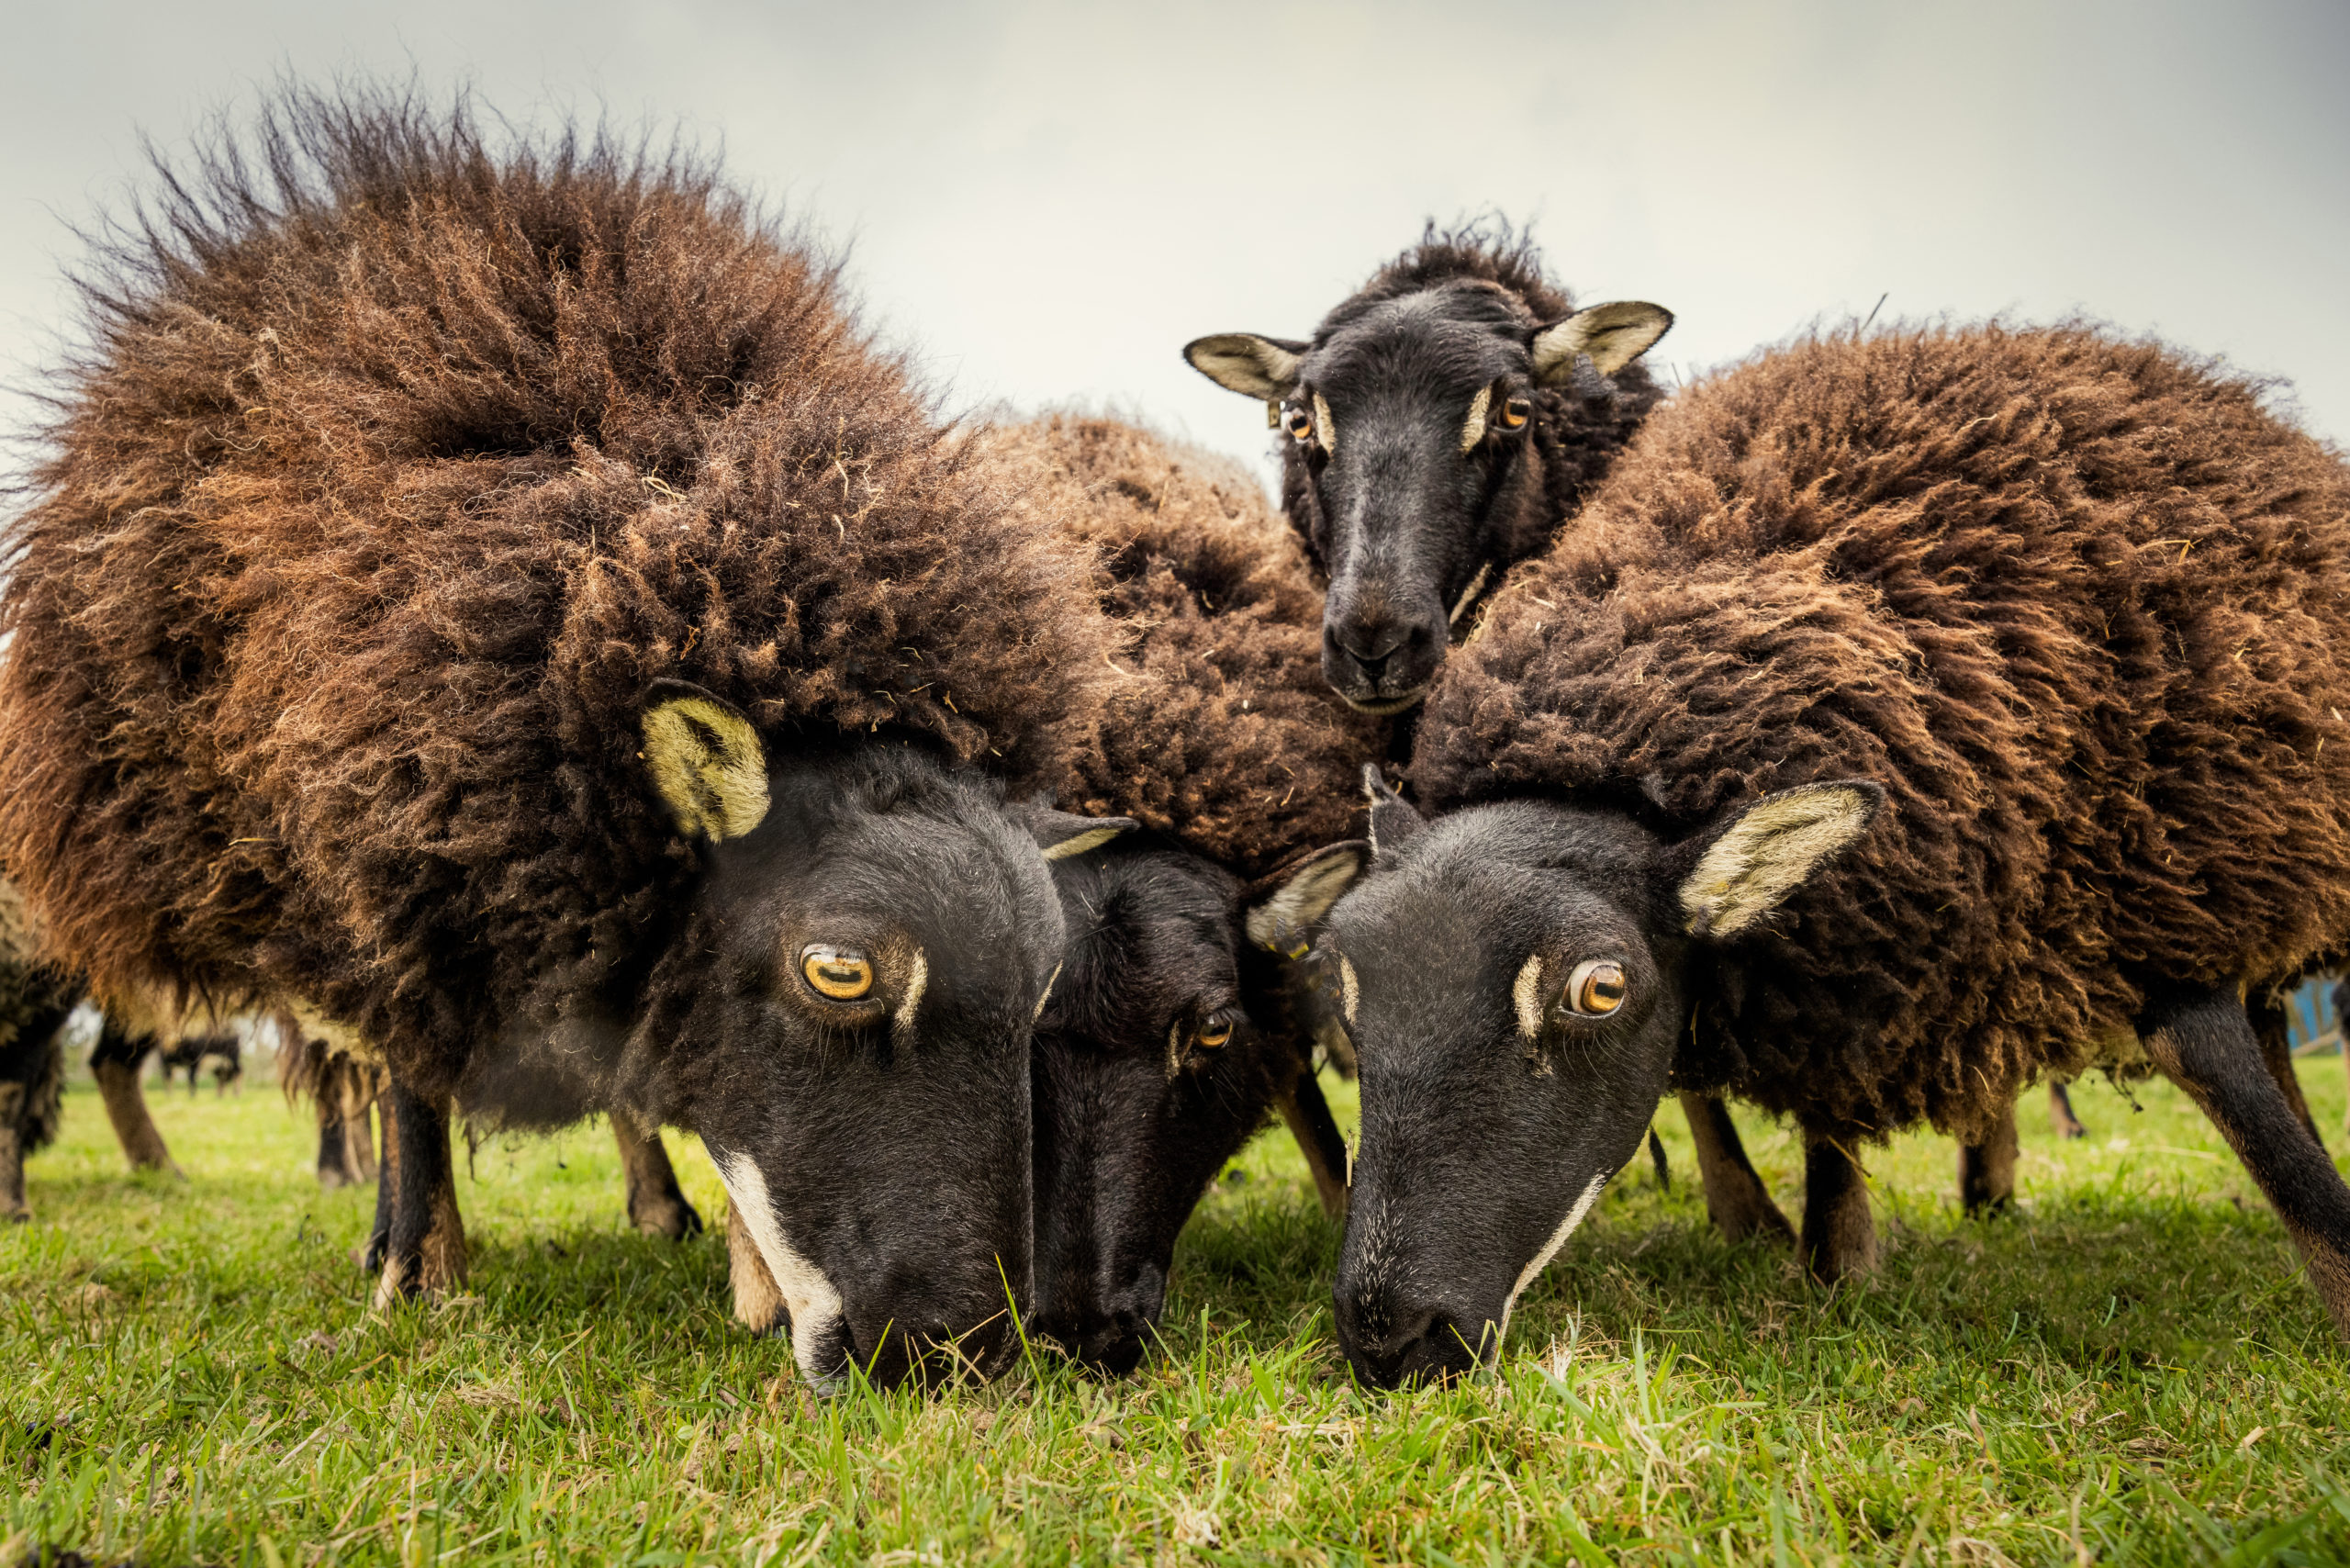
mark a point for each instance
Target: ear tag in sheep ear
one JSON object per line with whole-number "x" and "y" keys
{"x": 1061, "y": 835}
{"x": 1609, "y": 336}
{"x": 706, "y": 759}
{"x": 1770, "y": 850}
{"x": 1290, "y": 902}
{"x": 1392, "y": 820}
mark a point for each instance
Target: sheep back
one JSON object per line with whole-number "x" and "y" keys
{"x": 1221, "y": 731}
{"x": 397, "y": 467}
{"x": 2077, "y": 603}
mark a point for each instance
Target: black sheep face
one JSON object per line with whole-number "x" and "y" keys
{"x": 1170, "y": 1035}
{"x": 1515, "y": 978}
{"x": 846, "y": 1021}
{"x": 1415, "y": 417}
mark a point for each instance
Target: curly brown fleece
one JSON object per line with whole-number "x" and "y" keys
{"x": 1576, "y": 438}
{"x": 1222, "y": 731}
{"x": 399, "y": 465}
{"x": 2078, "y": 604}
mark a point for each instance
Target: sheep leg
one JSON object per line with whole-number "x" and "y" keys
{"x": 2204, "y": 1040}
{"x": 113, "y": 1062}
{"x": 1739, "y": 1205}
{"x": 2060, "y": 1112}
{"x": 2268, "y": 1022}
{"x": 758, "y": 1304}
{"x": 1318, "y": 1138}
{"x": 425, "y": 1251}
{"x": 13, "y": 1207}
{"x": 371, "y": 1252}
{"x": 1987, "y": 1171}
{"x": 30, "y": 1068}
{"x": 656, "y": 1204}
{"x": 337, "y": 1148}
{"x": 1838, "y": 1234}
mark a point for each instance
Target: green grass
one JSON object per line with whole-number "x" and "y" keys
{"x": 2130, "y": 1370}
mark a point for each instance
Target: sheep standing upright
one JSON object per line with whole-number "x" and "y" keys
{"x": 495, "y": 600}
{"x": 2063, "y": 617}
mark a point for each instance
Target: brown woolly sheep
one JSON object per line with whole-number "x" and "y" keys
{"x": 2060, "y": 614}
{"x": 498, "y": 601}
{"x": 1177, "y": 1025}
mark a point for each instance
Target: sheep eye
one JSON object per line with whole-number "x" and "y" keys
{"x": 1515, "y": 411}
{"x": 843, "y": 974}
{"x": 1299, "y": 423}
{"x": 1597, "y": 988}
{"x": 1214, "y": 1033}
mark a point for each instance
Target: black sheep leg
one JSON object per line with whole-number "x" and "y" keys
{"x": 2060, "y": 1112}
{"x": 32, "y": 1072}
{"x": 1318, "y": 1138}
{"x": 113, "y": 1062}
{"x": 1987, "y": 1171}
{"x": 2269, "y": 1023}
{"x": 1739, "y": 1205}
{"x": 1839, "y": 1233}
{"x": 424, "y": 1248}
{"x": 2202, "y": 1038}
{"x": 656, "y": 1204}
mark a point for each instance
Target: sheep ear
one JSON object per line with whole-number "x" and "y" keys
{"x": 1284, "y": 906}
{"x": 1392, "y": 820}
{"x": 1612, "y": 336}
{"x": 1061, "y": 835}
{"x": 1249, "y": 364}
{"x": 708, "y": 764}
{"x": 1771, "y": 849}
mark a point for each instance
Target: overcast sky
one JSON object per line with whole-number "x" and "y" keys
{"x": 1047, "y": 200}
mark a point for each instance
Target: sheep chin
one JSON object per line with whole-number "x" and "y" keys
{"x": 1381, "y": 707}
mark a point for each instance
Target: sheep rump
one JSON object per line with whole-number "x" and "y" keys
{"x": 2077, "y": 603}
{"x": 398, "y": 469}
{"x": 1221, "y": 731}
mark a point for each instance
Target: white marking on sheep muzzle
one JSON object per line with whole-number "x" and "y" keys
{"x": 1527, "y": 994}
{"x": 1550, "y": 1250}
{"x": 815, "y": 1304}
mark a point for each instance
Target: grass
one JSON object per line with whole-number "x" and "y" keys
{"x": 2131, "y": 1370}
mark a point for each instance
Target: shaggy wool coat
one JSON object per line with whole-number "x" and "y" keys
{"x": 1220, "y": 729}
{"x": 397, "y": 467}
{"x": 2078, "y": 604}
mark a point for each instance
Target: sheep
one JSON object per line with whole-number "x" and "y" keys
{"x": 2002, "y": 659}
{"x": 499, "y": 603}
{"x": 1176, "y": 1026}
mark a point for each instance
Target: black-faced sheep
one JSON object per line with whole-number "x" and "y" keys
{"x": 2002, "y": 664}
{"x": 498, "y": 601}
{"x": 1177, "y": 1024}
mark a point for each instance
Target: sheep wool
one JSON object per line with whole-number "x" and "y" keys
{"x": 398, "y": 466}
{"x": 2077, "y": 603}
{"x": 1221, "y": 731}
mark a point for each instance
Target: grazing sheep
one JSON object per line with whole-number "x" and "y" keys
{"x": 498, "y": 602}
{"x": 2057, "y": 614}
{"x": 1176, "y": 1027}
{"x": 224, "y": 1049}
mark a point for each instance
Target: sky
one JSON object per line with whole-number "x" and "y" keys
{"x": 1046, "y": 201}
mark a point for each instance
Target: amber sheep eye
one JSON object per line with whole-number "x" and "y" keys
{"x": 841, "y": 973}
{"x": 1216, "y": 1032}
{"x": 1596, "y": 987}
{"x": 1298, "y": 421}
{"x": 1515, "y": 411}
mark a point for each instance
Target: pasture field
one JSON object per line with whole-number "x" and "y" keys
{"x": 2131, "y": 1370}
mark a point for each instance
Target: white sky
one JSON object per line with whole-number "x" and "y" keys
{"x": 1049, "y": 199}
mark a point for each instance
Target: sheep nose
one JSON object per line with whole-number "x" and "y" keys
{"x": 1370, "y": 639}
{"x": 1422, "y": 1342}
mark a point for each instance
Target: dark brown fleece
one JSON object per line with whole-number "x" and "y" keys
{"x": 1574, "y": 438}
{"x": 398, "y": 466}
{"x": 1221, "y": 731}
{"x": 33, "y": 996}
{"x": 2078, "y": 604}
